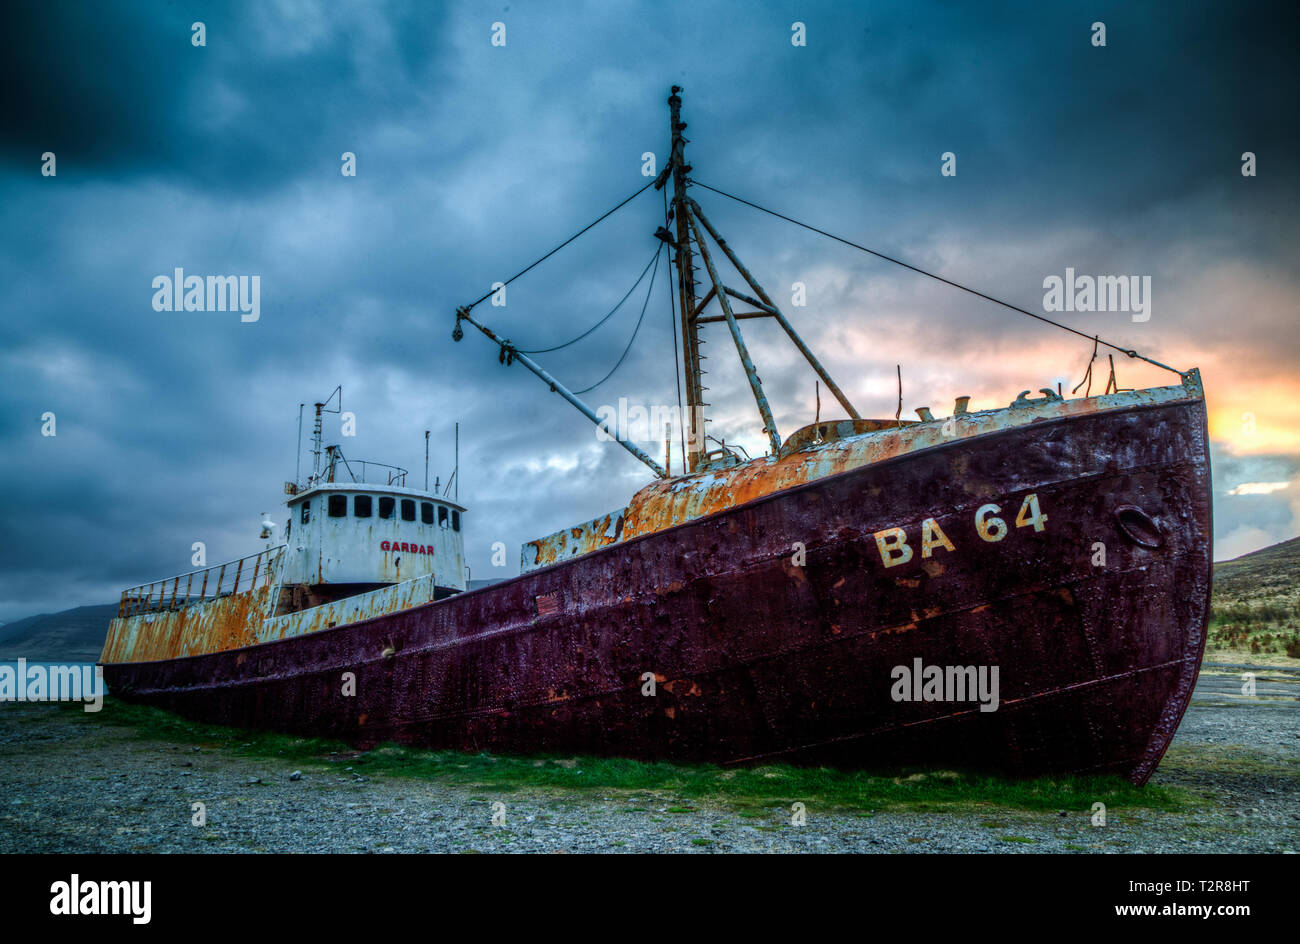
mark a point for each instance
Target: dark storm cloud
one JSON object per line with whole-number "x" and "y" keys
{"x": 177, "y": 427}
{"x": 119, "y": 91}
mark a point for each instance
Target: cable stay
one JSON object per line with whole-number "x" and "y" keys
{"x": 880, "y": 255}
{"x": 654, "y": 261}
{"x": 649, "y": 290}
{"x": 537, "y": 262}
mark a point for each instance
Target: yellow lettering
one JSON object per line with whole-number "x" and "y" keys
{"x": 892, "y": 543}
{"x": 932, "y": 536}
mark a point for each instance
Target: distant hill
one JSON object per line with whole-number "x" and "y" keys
{"x": 1256, "y": 605}
{"x": 1269, "y": 570}
{"x": 75, "y": 635}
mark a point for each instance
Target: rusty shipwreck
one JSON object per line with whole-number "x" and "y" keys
{"x": 743, "y": 609}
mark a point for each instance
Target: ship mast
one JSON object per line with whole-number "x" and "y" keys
{"x": 691, "y": 225}
{"x": 686, "y": 287}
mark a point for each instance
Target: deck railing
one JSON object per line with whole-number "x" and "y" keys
{"x": 343, "y": 471}
{"x": 243, "y": 575}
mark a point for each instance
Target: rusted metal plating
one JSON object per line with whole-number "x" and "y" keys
{"x": 217, "y": 608}
{"x": 354, "y": 609}
{"x": 821, "y": 450}
{"x": 235, "y": 620}
{"x": 599, "y": 532}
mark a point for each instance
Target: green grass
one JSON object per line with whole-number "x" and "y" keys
{"x": 1230, "y": 760}
{"x": 749, "y": 790}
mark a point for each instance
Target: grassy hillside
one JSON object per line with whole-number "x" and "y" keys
{"x": 1256, "y": 606}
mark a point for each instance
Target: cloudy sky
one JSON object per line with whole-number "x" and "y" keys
{"x": 473, "y": 158}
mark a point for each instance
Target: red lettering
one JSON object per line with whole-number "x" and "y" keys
{"x": 383, "y": 545}
{"x": 405, "y": 547}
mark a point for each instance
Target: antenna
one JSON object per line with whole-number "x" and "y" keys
{"x": 315, "y": 439}
{"x": 454, "y": 474}
{"x": 426, "y": 460}
{"x": 316, "y": 431}
{"x": 297, "y": 465}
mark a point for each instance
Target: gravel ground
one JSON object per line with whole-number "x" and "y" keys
{"x": 68, "y": 786}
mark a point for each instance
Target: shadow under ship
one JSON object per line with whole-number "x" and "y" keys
{"x": 744, "y": 610}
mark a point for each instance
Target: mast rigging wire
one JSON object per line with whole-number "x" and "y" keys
{"x": 547, "y": 350}
{"x": 644, "y": 305}
{"x": 538, "y": 262}
{"x": 1123, "y": 350}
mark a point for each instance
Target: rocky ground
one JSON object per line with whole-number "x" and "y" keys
{"x": 71, "y": 786}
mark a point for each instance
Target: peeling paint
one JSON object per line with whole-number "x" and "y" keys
{"x": 826, "y": 449}
{"x": 814, "y": 452}
{"x": 176, "y": 617}
{"x": 154, "y": 631}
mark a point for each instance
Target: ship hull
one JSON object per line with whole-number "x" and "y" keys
{"x": 777, "y": 630}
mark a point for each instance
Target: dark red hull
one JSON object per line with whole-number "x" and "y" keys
{"x": 758, "y": 658}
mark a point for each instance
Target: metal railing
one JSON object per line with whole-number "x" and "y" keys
{"x": 174, "y": 593}
{"x": 391, "y": 474}
{"x": 359, "y": 471}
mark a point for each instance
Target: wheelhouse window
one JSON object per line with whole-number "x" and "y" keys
{"x": 408, "y": 509}
{"x": 426, "y": 512}
{"x": 338, "y": 506}
{"x": 455, "y": 520}
{"x": 361, "y": 506}
{"x": 306, "y": 512}
{"x": 442, "y": 516}
{"x": 386, "y": 506}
